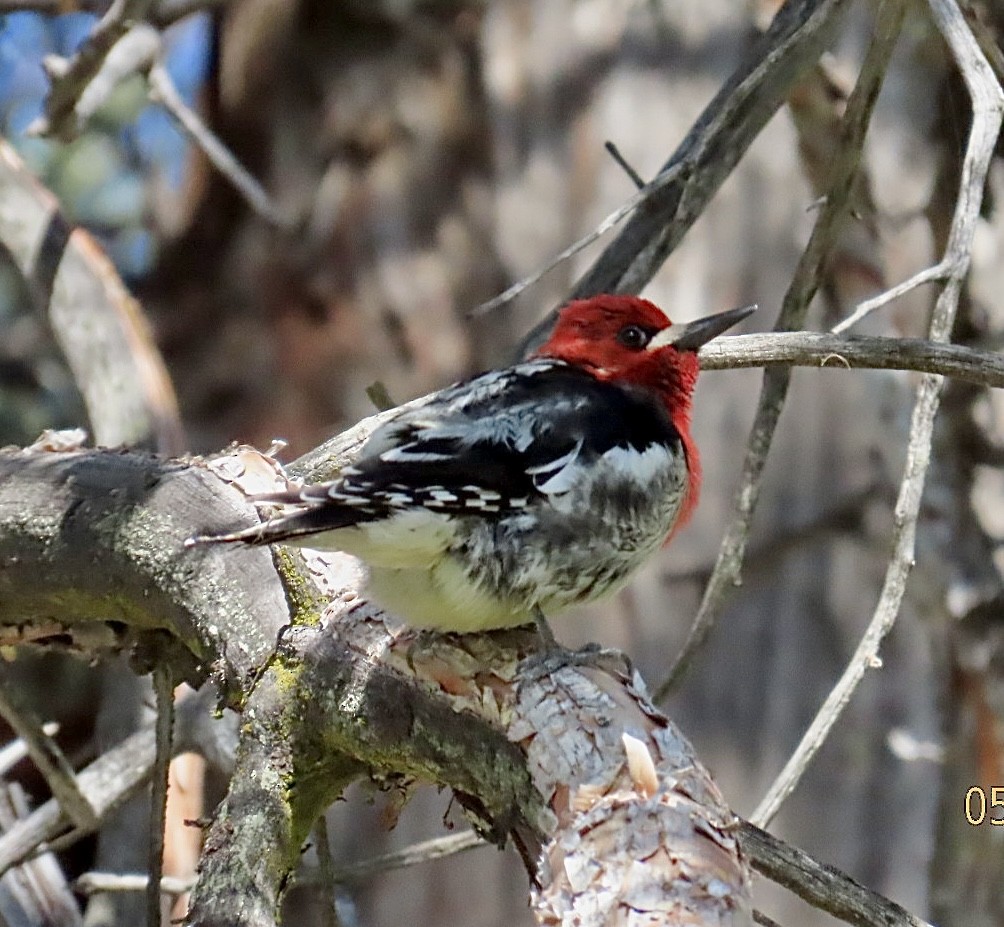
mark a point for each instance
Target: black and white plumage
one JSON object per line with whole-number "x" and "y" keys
{"x": 525, "y": 490}
{"x": 537, "y": 486}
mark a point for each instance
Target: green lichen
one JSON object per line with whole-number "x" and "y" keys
{"x": 304, "y": 600}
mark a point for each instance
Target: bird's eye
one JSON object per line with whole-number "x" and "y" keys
{"x": 634, "y": 337}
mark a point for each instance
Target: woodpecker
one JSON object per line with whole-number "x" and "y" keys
{"x": 525, "y": 490}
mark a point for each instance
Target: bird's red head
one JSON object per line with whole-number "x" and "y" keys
{"x": 630, "y": 340}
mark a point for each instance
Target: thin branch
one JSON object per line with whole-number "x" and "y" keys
{"x": 163, "y": 686}
{"x": 801, "y": 291}
{"x": 823, "y": 886}
{"x": 48, "y": 759}
{"x": 163, "y": 91}
{"x": 417, "y": 853}
{"x": 93, "y": 883}
{"x": 17, "y": 750}
{"x": 988, "y": 106}
{"x": 929, "y": 275}
{"x": 719, "y": 138}
{"x": 832, "y": 352}
{"x": 622, "y": 162}
{"x": 71, "y": 78}
{"x": 644, "y": 194}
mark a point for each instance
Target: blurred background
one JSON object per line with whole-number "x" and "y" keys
{"x": 431, "y": 153}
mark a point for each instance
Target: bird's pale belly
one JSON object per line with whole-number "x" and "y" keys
{"x": 551, "y": 559}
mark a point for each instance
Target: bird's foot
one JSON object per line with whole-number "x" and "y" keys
{"x": 552, "y": 656}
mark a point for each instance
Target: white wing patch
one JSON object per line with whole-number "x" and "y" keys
{"x": 406, "y": 453}
{"x": 642, "y": 467}
{"x": 559, "y": 475}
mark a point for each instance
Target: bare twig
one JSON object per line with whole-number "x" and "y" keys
{"x": 163, "y": 686}
{"x": 48, "y": 759}
{"x": 93, "y": 883}
{"x": 17, "y": 750}
{"x": 822, "y": 886}
{"x": 800, "y": 293}
{"x": 820, "y": 350}
{"x": 72, "y": 78}
{"x": 929, "y": 275}
{"x": 622, "y": 162}
{"x": 712, "y": 148}
{"x": 645, "y": 193}
{"x": 163, "y": 91}
{"x": 988, "y": 105}
{"x": 417, "y": 853}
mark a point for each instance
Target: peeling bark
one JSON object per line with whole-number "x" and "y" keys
{"x": 620, "y": 822}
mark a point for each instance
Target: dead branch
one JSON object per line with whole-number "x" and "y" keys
{"x": 821, "y": 885}
{"x": 832, "y": 352}
{"x": 988, "y": 106}
{"x": 163, "y": 91}
{"x": 320, "y": 709}
{"x": 712, "y": 148}
{"x": 84, "y": 75}
{"x": 99, "y": 327}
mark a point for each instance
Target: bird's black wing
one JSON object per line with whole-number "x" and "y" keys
{"x": 487, "y": 446}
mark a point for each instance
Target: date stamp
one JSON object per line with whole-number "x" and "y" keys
{"x": 985, "y": 806}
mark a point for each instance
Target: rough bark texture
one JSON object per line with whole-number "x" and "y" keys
{"x": 630, "y": 824}
{"x": 437, "y": 155}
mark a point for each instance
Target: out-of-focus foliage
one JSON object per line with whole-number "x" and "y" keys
{"x": 118, "y": 179}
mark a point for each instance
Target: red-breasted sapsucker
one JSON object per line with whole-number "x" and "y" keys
{"x": 523, "y": 490}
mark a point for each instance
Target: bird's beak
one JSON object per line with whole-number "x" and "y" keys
{"x": 689, "y": 336}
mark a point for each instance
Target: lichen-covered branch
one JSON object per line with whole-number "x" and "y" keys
{"x": 589, "y": 780}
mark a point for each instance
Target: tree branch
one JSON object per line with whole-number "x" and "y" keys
{"x": 799, "y": 295}
{"x": 988, "y": 106}
{"x": 99, "y": 327}
{"x": 560, "y": 762}
{"x": 712, "y": 148}
{"x": 833, "y": 352}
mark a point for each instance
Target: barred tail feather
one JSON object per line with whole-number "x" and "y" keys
{"x": 282, "y": 528}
